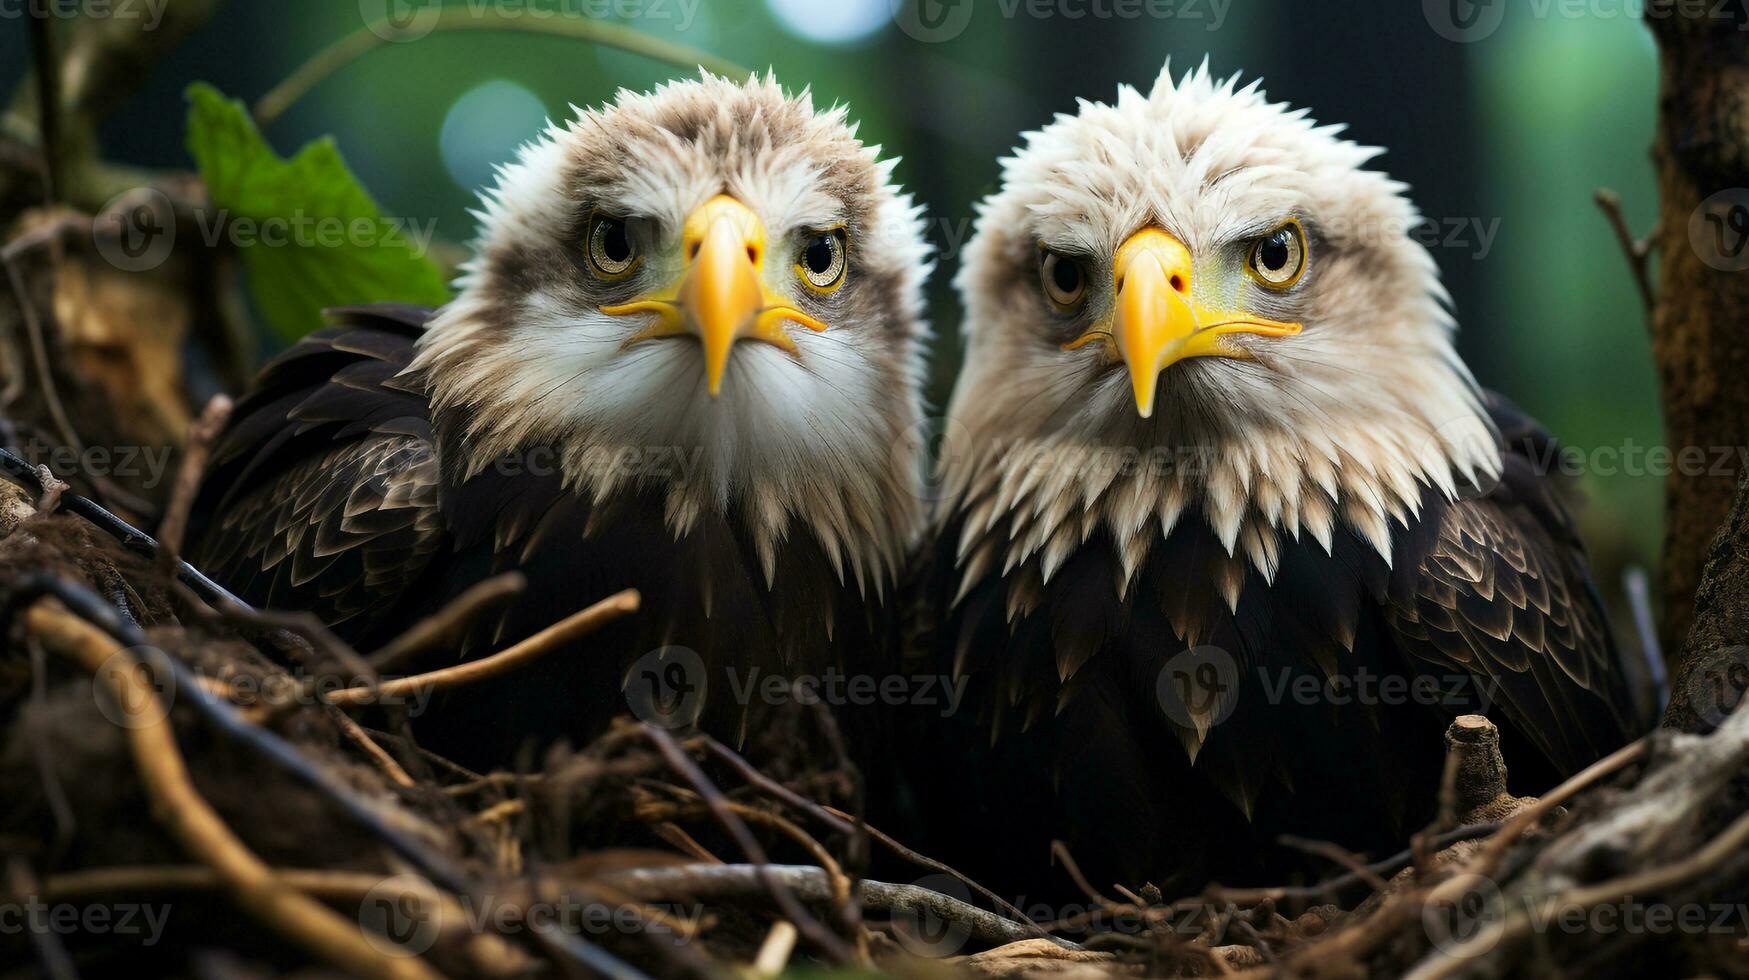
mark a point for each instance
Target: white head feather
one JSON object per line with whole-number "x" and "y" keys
{"x": 826, "y": 438}
{"x": 1344, "y": 422}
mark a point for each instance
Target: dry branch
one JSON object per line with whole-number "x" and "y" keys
{"x": 814, "y": 886}
{"x": 187, "y": 815}
{"x": 506, "y": 660}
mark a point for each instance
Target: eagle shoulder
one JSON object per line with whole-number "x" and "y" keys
{"x": 1497, "y": 585}
{"x": 323, "y": 490}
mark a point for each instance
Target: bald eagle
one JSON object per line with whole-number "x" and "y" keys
{"x": 1229, "y": 532}
{"x": 683, "y": 359}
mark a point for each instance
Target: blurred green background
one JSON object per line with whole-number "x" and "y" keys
{"x": 1504, "y": 130}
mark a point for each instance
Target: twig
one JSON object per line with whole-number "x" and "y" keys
{"x": 512, "y": 657}
{"x": 843, "y": 889}
{"x": 1383, "y": 869}
{"x": 1339, "y": 855}
{"x": 377, "y": 753}
{"x": 1060, "y": 851}
{"x": 811, "y": 884}
{"x": 855, "y": 828}
{"x": 458, "y": 18}
{"x": 682, "y": 764}
{"x": 1255, "y": 939}
{"x": 857, "y": 851}
{"x": 39, "y": 350}
{"x": 685, "y": 843}
{"x": 1636, "y": 249}
{"x": 194, "y": 823}
{"x": 442, "y": 626}
{"x": 775, "y": 951}
{"x": 23, "y": 474}
{"x": 502, "y": 810}
{"x": 194, "y": 456}
{"x": 924, "y": 861}
{"x": 835, "y": 819}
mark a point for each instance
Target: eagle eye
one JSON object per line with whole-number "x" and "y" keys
{"x": 1278, "y": 259}
{"x": 612, "y": 253}
{"x": 1065, "y": 282}
{"x": 821, "y": 261}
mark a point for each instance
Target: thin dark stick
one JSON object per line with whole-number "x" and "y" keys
{"x": 1060, "y": 851}
{"x": 1342, "y": 856}
{"x": 858, "y": 846}
{"x": 754, "y": 777}
{"x": 682, "y": 764}
{"x": 1635, "y": 249}
{"x": 23, "y": 474}
{"x": 1383, "y": 869}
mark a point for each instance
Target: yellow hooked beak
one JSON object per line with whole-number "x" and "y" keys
{"x": 721, "y": 296}
{"x": 1156, "y": 322}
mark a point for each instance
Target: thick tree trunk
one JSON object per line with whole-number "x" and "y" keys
{"x": 1700, "y": 325}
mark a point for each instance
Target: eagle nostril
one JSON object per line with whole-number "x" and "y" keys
{"x": 1178, "y": 283}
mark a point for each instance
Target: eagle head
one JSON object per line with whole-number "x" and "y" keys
{"x": 1217, "y": 283}
{"x": 714, "y": 271}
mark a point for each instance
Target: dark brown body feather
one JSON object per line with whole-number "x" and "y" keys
{"x": 1082, "y": 714}
{"x": 332, "y": 490}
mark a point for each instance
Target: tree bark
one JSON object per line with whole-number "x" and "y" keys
{"x": 1700, "y": 322}
{"x": 1712, "y": 667}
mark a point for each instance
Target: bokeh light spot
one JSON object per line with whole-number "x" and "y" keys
{"x": 484, "y": 128}
{"x": 832, "y": 21}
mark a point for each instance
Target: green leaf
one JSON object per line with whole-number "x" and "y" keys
{"x": 309, "y": 234}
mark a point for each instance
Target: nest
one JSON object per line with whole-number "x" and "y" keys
{"x": 181, "y": 799}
